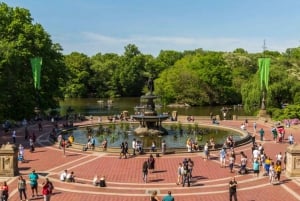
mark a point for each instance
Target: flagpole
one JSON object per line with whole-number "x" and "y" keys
{"x": 264, "y": 67}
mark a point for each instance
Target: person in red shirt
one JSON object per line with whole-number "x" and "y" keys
{"x": 4, "y": 191}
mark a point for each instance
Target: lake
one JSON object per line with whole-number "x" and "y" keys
{"x": 93, "y": 106}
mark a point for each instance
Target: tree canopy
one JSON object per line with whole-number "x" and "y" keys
{"x": 21, "y": 40}
{"x": 196, "y": 77}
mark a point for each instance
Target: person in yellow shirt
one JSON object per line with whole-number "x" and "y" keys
{"x": 278, "y": 170}
{"x": 267, "y": 165}
{"x": 71, "y": 139}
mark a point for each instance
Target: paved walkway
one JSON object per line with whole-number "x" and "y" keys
{"x": 124, "y": 176}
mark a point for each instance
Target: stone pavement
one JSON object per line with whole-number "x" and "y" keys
{"x": 124, "y": 176}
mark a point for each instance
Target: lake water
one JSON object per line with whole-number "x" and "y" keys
{"x": 93, "y": 106}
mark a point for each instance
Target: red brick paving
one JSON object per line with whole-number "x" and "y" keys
{"x": 124, "y": 176}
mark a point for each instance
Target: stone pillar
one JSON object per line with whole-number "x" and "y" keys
{"x": 293, "y": 160}
{"x": 8, "y": 160}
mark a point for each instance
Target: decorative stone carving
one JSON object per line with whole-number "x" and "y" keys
{"x": 293, "y": 160}
{"x": 8, "y": 160}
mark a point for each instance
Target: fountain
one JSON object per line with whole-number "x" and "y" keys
{"x": 150, "y": 121}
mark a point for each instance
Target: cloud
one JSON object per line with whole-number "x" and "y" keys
{"x": 91, "y": 43}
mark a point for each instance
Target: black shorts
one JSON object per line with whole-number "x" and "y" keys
{"x": 256, "y": 171}
{"x": 33, "y": 186}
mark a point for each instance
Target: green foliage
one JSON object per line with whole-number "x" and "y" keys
{"x": 21, "y": 40}
{"x": 196, "y": 77}
{"x": 289, "y": 112}
{"x": 78, "y": 66}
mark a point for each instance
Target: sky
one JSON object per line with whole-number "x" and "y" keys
{"x": 107, "y": 26}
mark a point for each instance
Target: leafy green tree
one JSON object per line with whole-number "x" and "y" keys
{"x": 251, "y": 94}
{"x": 169, "y": 57}
{"x": 242, "y": 67}
{"x": 78, "y": 65}
{"x": 130, "y": 74}
{"x": 197, "y": 79}
{"x": 21, "y": 40}
{"x": 103, "y": 67}
{"x": 216, "y": 77}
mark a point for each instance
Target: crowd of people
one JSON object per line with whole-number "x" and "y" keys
{"x": 22, "y": 187}
{"x": 260, "y": 163}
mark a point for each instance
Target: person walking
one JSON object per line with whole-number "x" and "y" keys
{"x": 223, "y": 157}
{"x": 151, "y": 163}
{"x": 291, "y": 139}
{"x": 46, "y": 190}
{"x": 22, "y": 188}
{"x": 33, "y": 177}
{"x": 232, "y": 189}
{"x": 145, "y": 171}
{"x": 154, "y": 197}
{"x": 254, "y": 127}
{"x": 31, "y": 144}
{"x": 4, "y": 191}
{"x": 256, "y": 168}
{"x": 14, "y": 135}
{"x": 63, "y": 145}
{"x": 231, "y": 162}
{"x": 168, "y": 197}
{"x": 123, "y": 151}
{"x": 186, "y": 176}
{"x": 277, "y": 169}
{"x": 261, "y": 133}
{"x": 179, "y": 174}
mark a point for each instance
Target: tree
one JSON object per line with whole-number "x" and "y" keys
{"x": 169, "y": 57}
{"x": 21, "y": 40}
{"x": 103, "y": 67}
{"x": 78, "y": 65}
{"x": 130, "y": 75}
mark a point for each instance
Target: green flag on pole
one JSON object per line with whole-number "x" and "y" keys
{"x": 36, "y": 64}
{"x": 264, "y": 68}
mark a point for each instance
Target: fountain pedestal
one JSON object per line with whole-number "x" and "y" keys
{"x": 150, "y": 121}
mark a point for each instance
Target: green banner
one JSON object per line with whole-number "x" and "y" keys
{"x": 36, "y": 64}
{"x": 264, "y": 68}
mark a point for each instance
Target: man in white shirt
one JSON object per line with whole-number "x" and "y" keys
{"x": 133, "y": 146}
{"x": 279, "y": 157}
{"x": 256, "y": 154}
{"x": 63, "y": 175}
